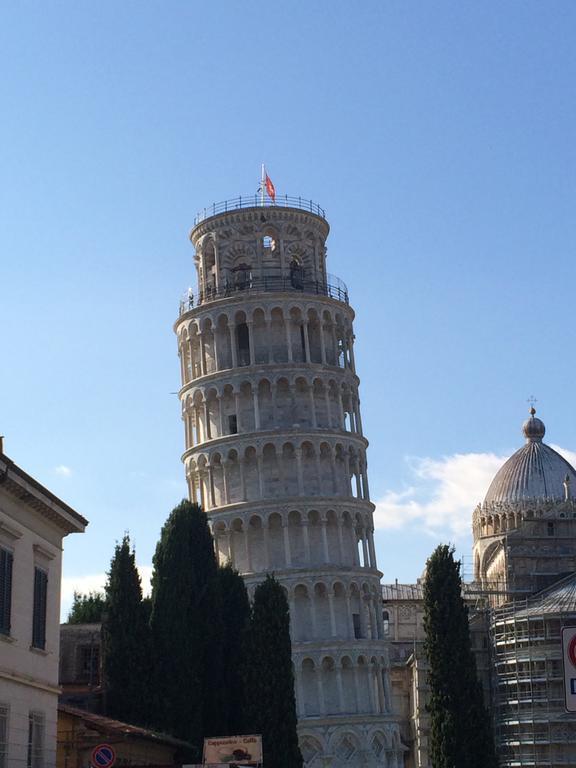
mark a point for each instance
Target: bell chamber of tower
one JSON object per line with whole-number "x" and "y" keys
{"x": 276, "y": 456}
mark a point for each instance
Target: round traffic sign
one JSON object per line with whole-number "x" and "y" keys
{"x": 572, "y": 651}
{"x": 103, "y": 756}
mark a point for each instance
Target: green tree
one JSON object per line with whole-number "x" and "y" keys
{"x": 269, "y": 679}
{"x": 126, "y": 646}
{"x": 187, "y": 630}
{"x": 87, "y": 608}
{"x": 235, "y": 620}
{"x": 460, "y": 729}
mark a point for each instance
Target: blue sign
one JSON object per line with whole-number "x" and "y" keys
{"x": 103, "y": 756}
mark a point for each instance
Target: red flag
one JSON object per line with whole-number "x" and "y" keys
{"x": 270, "y": 189}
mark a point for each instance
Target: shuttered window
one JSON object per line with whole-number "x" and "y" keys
{"x": 35, "y": 740}
{"x": 6, "y": 562}
{"x": 39, "y": 615}
{"x": 4, "y": 711}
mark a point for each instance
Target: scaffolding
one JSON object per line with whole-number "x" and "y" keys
{"x": 531, "y": 725}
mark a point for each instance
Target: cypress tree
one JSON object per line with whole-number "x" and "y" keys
{"x": 269, "y": 679}
{"x": 126, "y": 661}
{"x": 187, "y": 628}
{"x": 460, "y": 729}
{"x": 235, "y": 619}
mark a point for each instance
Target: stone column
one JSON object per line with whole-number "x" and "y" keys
{"x": 328, "y": 409}
{"x": 256, "y": 406}
{"x": 207, "y": 419}
{"x": 233, "y": 347}
{"x": 365, "y": 488}
{"x": 351, "y": 351}
{"x": 237, "y": 406}
{"x": 225, "y": 487}
{"x": 341, "y": 707}
{"x": 306, "y": 342}
{"x": 246, "y": 529}
{"x": 250, "y": 325}
{"x": 288, "y": 326}
{"x": 298, "y": 453}
{"x": 242, "y": 478}
{"x": 371, "y": 547}
{"x": 266, "y": 543}
{"x": 313, "y": 419}
{"x": 286, "y": 537}
{"x": 260, "y": 463}
{"x": 334, "y": 473}
{"x": 220, "y": 401}
{"x": 349, "y": 617}
{"x": 324, "y": 523}
{"x": 322, "y": 343}
{"x": 211, "y": 486}
{"x": 202, "y": 355}
{"x": 330, "y": 595}
{"x": 321, "y": 700}
{"x": 306, "y": 540}
{"x": 365, "y": 549}
{"x": 341, "y": 409}
{"x": 340, "y": 523}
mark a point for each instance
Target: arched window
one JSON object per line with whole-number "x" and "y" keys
{"x": 386, "y": 621}
{"x": 296, "y": 275}
{"x": 243, "y": 344}
{"x": 242, "y": 276}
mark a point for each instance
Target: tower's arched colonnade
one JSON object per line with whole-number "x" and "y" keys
{"x": 275, "y": 453}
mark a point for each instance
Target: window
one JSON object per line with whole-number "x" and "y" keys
{"x": 386, "y": 621}
{"x": 550, "y": 529}
{"x": 35, "y": 740}
{"x": 89, "y": 664}
{"x": 357, "y": 626}
{"x": 6, "y": 563}
{"x": 243, "y": 344}
{"x": 4, "y": 711}
{"x": 39, "y": 614}
{"x": 232, "y": 424}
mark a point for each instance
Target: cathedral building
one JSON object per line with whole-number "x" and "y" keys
{"x": 276, "y": 455}
{"x": 523, "y": 593}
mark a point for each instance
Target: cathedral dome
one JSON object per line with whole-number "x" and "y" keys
{"x": 535, "y": 472}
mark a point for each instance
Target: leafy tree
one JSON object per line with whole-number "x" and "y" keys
{"x": 461, "y": 734}
{"x": 187, "y": 628}
{"x": 235, "y": 619}
{"x": 88, "y": 608}
{"x": 126, "y": 647}
{"x": 269, "y": 679}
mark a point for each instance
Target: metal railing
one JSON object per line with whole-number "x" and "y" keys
{"x": 332, "y": 287}
{"x": 255, "y": 201}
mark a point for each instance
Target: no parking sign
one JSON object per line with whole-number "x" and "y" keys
{"x": 103, "y": 756}
{"x": 569, "y": 657}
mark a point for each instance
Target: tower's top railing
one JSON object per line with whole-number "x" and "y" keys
{"x": 267, "y": 281}
{"x": 255, "y": 201}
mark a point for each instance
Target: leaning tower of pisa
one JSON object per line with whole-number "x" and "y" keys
{"x": 276, "y": 456}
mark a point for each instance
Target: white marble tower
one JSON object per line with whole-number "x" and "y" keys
{"x": 276, "y": 456}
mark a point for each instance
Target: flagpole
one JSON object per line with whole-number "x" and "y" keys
{"x": 262, "y": 185}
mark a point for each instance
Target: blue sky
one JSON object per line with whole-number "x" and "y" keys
{"x": 439, "y": 137}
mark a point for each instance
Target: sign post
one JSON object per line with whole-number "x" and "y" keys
{"x": 569, "y": 659}
{"x": 103, "y": 756}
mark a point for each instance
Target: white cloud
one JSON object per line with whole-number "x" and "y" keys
{"x": 63, "y": 470}
{"x": 442, "y": 495}
{"x": 95, "y": 583}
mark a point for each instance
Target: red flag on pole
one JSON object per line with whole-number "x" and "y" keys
{"x": 270, "y": 189}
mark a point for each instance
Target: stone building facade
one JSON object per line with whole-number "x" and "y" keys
{"x": 276, "y": 455}
{"x": 523, "y": 593}
{"x": 33, "y": 523}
